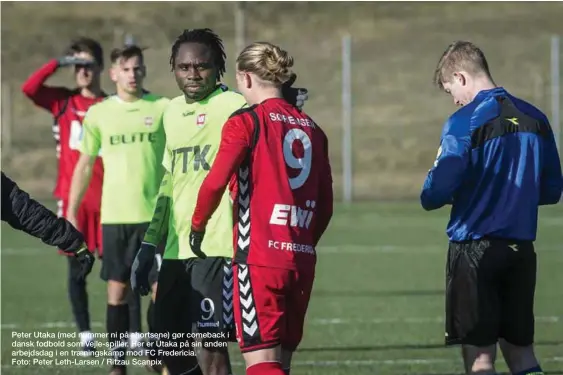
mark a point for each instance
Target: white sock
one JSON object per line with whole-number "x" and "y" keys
{"x": 135, "y": 339}
{"x": 86, "y": 337}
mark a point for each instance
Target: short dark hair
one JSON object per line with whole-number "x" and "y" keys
{"x": 206, "y": 37}
{"x": 88, "y": 45}
{"x": 126, "y": 52}
{"x": 460, "y": 55}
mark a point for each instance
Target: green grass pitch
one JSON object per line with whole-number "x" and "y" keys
{"x": 377, "y": 305}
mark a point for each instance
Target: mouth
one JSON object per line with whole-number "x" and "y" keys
{"x": 192, "y": 87}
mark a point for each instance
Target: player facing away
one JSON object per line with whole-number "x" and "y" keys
{"x": 497, "y": 163}
{"x": 68, "y": 107}
{"x": 193, "y": 291}
{"x": 279, "y": 157}
{"x": 127, "y": 127}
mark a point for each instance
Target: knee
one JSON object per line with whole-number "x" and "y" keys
{"x": 479, "y": 360}
{"x": 214, "y": 361}
{"x": 117, "y": 293}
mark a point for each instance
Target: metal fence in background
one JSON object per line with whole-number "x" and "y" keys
{"x": 378, "y": 108}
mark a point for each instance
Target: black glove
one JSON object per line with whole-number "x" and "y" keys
{"x": 72, "y": 60}
{"x": 295, "y": 96}
{"x": 141, "y": 268}
{"x": 86, "y": 260}
{"x": 196, "y": 238}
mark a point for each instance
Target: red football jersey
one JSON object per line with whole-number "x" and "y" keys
{"x": 68, "y": 108}
{"x": 284, "y": 199}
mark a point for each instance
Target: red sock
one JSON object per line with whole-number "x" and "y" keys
{"x": 265, "y": 368}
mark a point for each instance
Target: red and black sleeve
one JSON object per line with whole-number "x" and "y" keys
{"x": 23, "y": 213}
{"x": 42, "y": 95}
{"x": 236, "y": 140}
{"x": 326, "y": 196}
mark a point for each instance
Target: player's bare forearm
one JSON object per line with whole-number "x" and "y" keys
{"x": 80, "y": 181}
{"x": 158, "y": 227}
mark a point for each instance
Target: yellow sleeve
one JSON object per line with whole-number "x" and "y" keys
{"x": 90, "y": 137}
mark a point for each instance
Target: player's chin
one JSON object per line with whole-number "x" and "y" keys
{"x": 196, "y": 94}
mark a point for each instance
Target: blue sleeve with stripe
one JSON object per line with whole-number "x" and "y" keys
{"x": 448, "y": 171}
{"x": 551, "y": 185}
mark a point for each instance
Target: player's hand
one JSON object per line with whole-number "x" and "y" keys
{"x": 86, "y": 260}
{"x": 296, "y": 96}
{"x": 141, "y": 268}
{"x": 196, "y": 238}
{"x": 73, "y": 60}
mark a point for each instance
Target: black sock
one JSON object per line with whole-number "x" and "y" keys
{"x": 117, "y": 324}
{"x": 151, "y": 344}
{"x": 134, "y": 302}
{"x": 78, "y": 297}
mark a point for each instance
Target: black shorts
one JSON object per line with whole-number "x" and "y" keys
{"x": 196, "y": 295}
{"x": 121, "y": 243}
{"x": 490, "y": 286}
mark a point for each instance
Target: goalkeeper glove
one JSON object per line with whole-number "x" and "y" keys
{"x": 86, "y": 260}
{"x": 141, "y": 268}
{"x": 73, "y": 60}
{"x": 196, "y": 238}
{"x": 295, "y": 96}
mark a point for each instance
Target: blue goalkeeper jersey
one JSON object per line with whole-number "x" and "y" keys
{"x": 497, "y": 162}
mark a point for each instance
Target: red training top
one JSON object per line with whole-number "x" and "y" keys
{"x": 68, "y": 108}
{"x": 284, "y": 199}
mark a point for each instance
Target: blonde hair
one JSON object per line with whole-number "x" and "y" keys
{"x": 269, "y": 62}
{"x": 458, "y": 56}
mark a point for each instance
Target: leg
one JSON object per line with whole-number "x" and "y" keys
{"x": 116, "y": 273}
{"x": 156, "y": 361}
{"x": 79, "y": 301}
{"x": 260, "y": 316}
{"x": 173, "y": 321}
{"x": 472, "y": 303}
{"x": 77, "y": 289}
{"x": 135, "y": 326}
{"x": 212, "y": 282}
{"x": 299, "y": 296}
{"x": 517, "y": 328}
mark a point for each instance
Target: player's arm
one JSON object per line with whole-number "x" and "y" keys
{"x": 326, "y": 196}
{"x": 158, "y": 228}
{"x": 23, "y": 213}
{"x": 235, "y": 143}
{"x": 448, "y": 171}
{"x": 89, "y": 148}
{"x": 551, "y": 180}
{"x": 41, "y": 94}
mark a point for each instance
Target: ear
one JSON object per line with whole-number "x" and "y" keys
{"x": 144, "y": 71}
{"x": 461, "y": 77}
{"x": 248, "y": 80}
{"x": 113, "y": 74}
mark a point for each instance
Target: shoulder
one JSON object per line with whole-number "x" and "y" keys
{"x": 175, "y": 102}
{"x": 459, "y": 123}
{"x": 159, "y": 100}
{"x": 244, "y": 111}
{"x": 230, "y": 101}
{"x": 529, "y": 109}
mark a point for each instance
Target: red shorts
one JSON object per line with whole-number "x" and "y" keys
{"x": 88, "y": 224}
{"x": 270, "y": 306}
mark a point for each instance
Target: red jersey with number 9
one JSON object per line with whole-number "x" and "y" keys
{"x": 284, "y": 199}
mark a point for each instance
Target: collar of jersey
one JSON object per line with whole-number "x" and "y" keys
{"x": 483, "y": 94}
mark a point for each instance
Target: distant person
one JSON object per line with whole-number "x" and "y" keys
{"x": 497, "y": 163}
{"x": 68, "y": 107}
